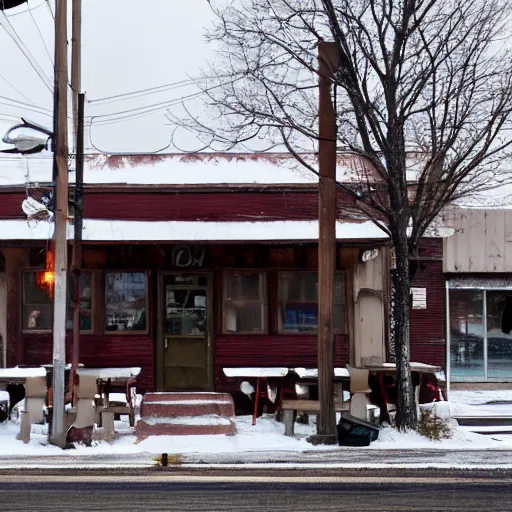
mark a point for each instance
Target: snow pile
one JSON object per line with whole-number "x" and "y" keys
{"x": 392, "y": 439}
{"x": 266, "y": 435}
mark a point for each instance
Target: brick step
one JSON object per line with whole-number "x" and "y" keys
{"x": 176, "y": 408}
{"x": 183, "y": 427}
{"x": 167, "y": 396}
{"x": 186, "y": 414}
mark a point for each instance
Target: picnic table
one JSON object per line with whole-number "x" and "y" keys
{"x": 383, "y": 369}
{"x": 258, "y": 373}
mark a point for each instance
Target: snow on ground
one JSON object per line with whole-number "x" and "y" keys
{"x": 479, "y": 397}
{"x": 268, "y": 436}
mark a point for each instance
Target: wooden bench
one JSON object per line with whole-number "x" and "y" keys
{"x": 290, "y": 408}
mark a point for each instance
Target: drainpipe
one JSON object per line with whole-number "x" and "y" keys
{"x": 447, "y": 366}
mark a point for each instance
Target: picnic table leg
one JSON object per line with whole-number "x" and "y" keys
{"x": 256, "y": 401}
{"x": 289, "y": 422}
{"x": 384, "y": 414}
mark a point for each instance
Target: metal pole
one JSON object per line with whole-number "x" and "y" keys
{"x": 60, "y": 169}
{"x": 76, "y": 65}
{"x": 328, "y": 58}
{"x": 77, "y": 248}
{"x": 448, "y": 342}
{"x": 484, "y": 323}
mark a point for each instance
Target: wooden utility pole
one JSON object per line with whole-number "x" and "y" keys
{"x": 76, "y": 63}
{"x": 326, "y": 423}
{"x": 60, "y": 171}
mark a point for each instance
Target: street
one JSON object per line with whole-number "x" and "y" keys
{"x": 243, "y": 492}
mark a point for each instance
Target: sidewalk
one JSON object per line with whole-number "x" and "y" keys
{"x": 265, "y": 445}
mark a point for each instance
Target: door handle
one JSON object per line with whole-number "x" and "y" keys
{"x": 165, "y": 343}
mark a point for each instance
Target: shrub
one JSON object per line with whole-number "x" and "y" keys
{"x": 432, "y": 426}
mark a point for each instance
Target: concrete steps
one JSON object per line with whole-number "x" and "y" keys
{"x": 186, "y": 414}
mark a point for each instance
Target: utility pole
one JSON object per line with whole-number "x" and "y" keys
{"x": 78, "y": 101}
{"x": 60, "y": 172}
{"x": 328, "y": 58}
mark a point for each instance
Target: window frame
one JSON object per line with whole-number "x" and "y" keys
{"x": 263, "y": 302}
{"x": 148, "y": 316}
{"x": 32, "y": 270}
{"x": 288, "y": 332}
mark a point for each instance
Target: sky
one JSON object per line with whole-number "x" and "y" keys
{"x": 127, "y": 46}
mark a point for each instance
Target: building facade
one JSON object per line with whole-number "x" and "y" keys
{"x": 194, "y": 265}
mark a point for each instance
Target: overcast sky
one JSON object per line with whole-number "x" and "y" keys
{"x": 125, "y": 48}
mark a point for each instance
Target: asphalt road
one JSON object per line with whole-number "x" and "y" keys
{"x": 256, "y": 493}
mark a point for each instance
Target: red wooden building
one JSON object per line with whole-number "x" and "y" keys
{"x": 195, "y": 263}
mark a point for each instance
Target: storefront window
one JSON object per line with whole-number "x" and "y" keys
{"x": 298, "y": 302}
{"x": 126, "y": 301}
{"x": 85, "y": 302}
{"x": 499, "y": 334}
{"x": 466, "y": 334}
{"x": 38, "y": 305}
{"x": 245, "y": 307}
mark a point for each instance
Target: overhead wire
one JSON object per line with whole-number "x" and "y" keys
{"x": 154, "y": 90}
{"x": 41, "y": 36}
{"x": 155, "y": 107}
{"x": 23, "y": 104}
{"x": 142, "y": 92}
{"x": 47, "y": 2}
{"x": 16, "y": 89}
{"x": 11, "y": 31}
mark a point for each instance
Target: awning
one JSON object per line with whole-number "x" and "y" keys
{"x": 186, "y": 231}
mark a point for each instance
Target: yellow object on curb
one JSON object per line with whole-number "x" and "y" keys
{"x": 165, "y": 459}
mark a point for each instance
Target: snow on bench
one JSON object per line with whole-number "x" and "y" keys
{"x": 255, "y": 372}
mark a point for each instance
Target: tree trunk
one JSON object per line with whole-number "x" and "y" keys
{"x": 406, "y": 415}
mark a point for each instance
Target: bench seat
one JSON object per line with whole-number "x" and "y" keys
{"x": 290, "y": 407}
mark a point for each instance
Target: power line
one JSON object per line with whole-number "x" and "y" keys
{"x": 16, "y": 89}
{"x": 133, "y": 113}
{"x": 155, "y": 89}
{"x": 40, "y": 35}
{"x": 26, "y": 108}
{"x": 31, "y": 105}
{"x": 19, "y": 43}
{"x": 142, "y": 92}
{"x": 47, "y": 2}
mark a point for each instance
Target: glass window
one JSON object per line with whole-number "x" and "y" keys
{"x": 85, "y": 302}
{"x": 38, "y": 305}
{"x": 499, "y": 334}
{"x": 245, "y": 305}
{"x": 126, "y": 301}
{"x": 298, "y": 302}
{"x": 466, "y": 334}
{"x": 185, "y": 311}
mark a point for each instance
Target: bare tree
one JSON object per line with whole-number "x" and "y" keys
{"x": 423, "y": 92}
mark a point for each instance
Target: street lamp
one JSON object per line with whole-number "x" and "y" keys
{"x": 26, "y": 144}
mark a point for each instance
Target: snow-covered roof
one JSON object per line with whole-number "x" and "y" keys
{"x": 178, "y": 169}
{"x": 186, "y": 231}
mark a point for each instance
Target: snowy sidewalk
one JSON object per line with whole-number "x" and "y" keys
{"x": 266, "y": 443}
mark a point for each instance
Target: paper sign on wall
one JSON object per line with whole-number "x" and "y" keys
{"x": 419, "y": 298}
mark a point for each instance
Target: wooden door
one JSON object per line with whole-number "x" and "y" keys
{"x": 187, "y": 325}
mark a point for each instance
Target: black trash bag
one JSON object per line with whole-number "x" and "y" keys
{"x": 355, "y": 432}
